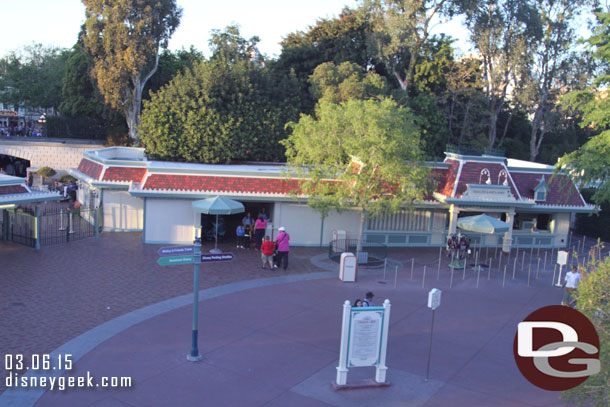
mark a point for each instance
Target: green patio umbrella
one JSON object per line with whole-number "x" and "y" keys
{"x": 218, "y": 206}
{"x": 482, "y": 224}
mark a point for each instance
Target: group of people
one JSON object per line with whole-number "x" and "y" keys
{"x": 9, "y": 131}
{"x": 275, "y": 254}
{"x": 251, "y": 233}
{"x": 367, "y": 302}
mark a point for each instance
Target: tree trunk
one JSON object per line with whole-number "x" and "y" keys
{"x": 361, "y": 234}
{"x": 535, "y": 141}
{"x": 493, "y": 123}
{"x": 134, "y": 105}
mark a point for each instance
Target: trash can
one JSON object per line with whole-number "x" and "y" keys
{"x": 347, "y": 267}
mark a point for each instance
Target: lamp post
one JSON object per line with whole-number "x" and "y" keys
{"x": 194, "y": 355}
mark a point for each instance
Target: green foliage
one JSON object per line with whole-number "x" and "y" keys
{"x": 67, "y": 179}
{"x": 400, "y": 32}
{"x": 46, "y": 172}
{"x": 220, "y": 113}
{"x": 124, "y": 37}
{"x": 335, "y": 84}
{"x": 595, "y": 225}
{"x": 337, "y": 40}
{"x": 370, "y": 147}
{"x": 593, "y": 300}
{"x": 170, "y": 64}
{"x": 589, "y": 164}
{"x": 32, "y": 76}
{"x": 504, "y": 33}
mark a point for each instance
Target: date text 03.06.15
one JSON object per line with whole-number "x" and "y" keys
{"x": 37, "y": 361}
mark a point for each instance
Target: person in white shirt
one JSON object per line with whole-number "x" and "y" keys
{"x": 570, "y": 283}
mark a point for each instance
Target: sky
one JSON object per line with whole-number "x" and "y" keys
{"x": 57, "y": 22}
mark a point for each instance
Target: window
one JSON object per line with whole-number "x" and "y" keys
{"x": 540, "y": 190}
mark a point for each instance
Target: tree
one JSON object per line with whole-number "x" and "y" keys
{"x": 218, "y": 112}
{"x": 504, "y": 33}
{"x": 339, "y": 83}
{"x": 80, "y": 95}
{"x": 170, "y": 64}
{"x": 554, "y": 54}
{"x": 124, "y": 38}
{"x": 360, "y": 154}
{"x": 593, "y": 300}
{"x": 401, "y": 28}
{"x": 340, "y": 39}
{"x": 32, "y": 76}
{"x": 588, "y": 165}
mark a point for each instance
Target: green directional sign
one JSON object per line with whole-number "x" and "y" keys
{"x": 175, "y": 260}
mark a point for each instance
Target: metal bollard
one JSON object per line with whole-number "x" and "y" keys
{"x": 412, "y": 265}
{"x": 438, "y": 272}
{"x": 423, "y": 281}
{"x": 514, "y": 267}
{"x": 504, "y": 278}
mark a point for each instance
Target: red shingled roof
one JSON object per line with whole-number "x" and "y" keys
{"x": 12, "y": 189}
{"x": 471, "y": 173}
{"x": 220, "y": 184}
{"x": 94, "y": 170}
{"x": 125, "y": 174}
{"x": 561, "y": 189}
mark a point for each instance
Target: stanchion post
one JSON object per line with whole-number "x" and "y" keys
{"x": 514, "y": 267}
{"x": 412, "y": 266}
{"x": 504, "y": 278}
{"x": 423, "y": 281}
{"x": 438, "y": 272}
{"x": 385, "y": 266}
{"x": 544, "y": 266}
{"x": 395, "y": 276}
{"x": 538, "y": 269}
{"x": 489, "y": 270}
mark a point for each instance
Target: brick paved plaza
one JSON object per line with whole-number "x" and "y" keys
{"x": 265, "y": 342}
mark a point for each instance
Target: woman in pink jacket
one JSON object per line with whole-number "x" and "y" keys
{"x": 282, "y": 242}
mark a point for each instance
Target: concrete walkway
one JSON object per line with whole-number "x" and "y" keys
{"x": 275, "y": 342}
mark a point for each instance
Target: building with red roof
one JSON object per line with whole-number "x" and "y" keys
{"x": 137, "y": 194}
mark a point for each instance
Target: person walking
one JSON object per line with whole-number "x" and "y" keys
{"x": 368, "y": 299}
{"x": 267, "y": 248}
{"x": 570, "y": 283}
{"x": 259, "y": 231}
{"x": 283, "y": 247}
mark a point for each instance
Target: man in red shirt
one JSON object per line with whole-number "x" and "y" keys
{"x": 267, "y": 252}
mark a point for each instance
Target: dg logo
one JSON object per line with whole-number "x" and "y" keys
{"x": 556, "y": 348}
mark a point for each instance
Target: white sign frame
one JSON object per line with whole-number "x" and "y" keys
{"x": 349, "y": 331}
{"x": 562, "y": 257}
{"x": 434, "y": 298}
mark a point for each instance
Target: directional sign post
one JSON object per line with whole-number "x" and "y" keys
{"x": 175, "y": 260}
{"x": 209, "y": 257}
{"x": 175, "y": 250}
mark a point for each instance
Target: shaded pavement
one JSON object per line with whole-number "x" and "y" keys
{"x": 273, "y": 339}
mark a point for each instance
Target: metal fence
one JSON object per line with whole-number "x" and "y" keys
{"x": 62, "y": 226}
{"x": 19, "y": 226}
{"x": 55, "y": 226}
{"x": 372, "y": 254}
